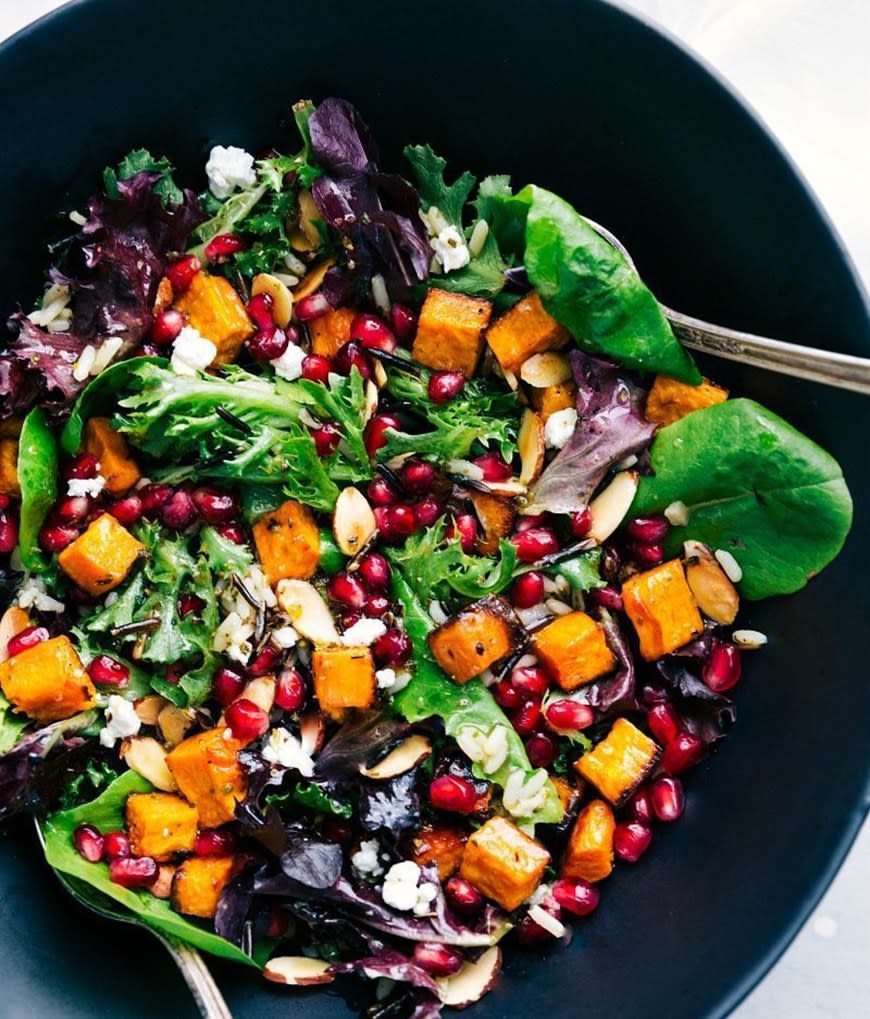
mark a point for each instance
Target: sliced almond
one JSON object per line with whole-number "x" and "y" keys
{"x": 147, "y": 757}
{"x": 312, "y": 732}
{"x": 162, "y": 887}
{"x": 148, "y": 708}
{"x": 404, "y": 757}
{"x": 371, "y": 401}
{"x": 14, "y": 620}
{"x": 508, "y": 489}
{"x": 546, "y": 369}
{"x": 307, "y": 610}
{"x": 531, "y": 445}
{"x": 297, "y": 971}
{"x": 261, "y": 691}
{"x": 716, "y": 596}
{"x": 609, "y": 509}
{"x": 472, "y": 981}
{"x": 353, "y": 520}
{"x": 173, "y": 723}
{"x": 282, "y": 299}
{"x": 312, "y": 280}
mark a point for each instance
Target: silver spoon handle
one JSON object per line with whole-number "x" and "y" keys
{"x": 825, "y": 366}
{"x": 192, "y": 967}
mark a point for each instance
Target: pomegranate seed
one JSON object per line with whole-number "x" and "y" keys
{"x": 525, "y": 721}
{"x": 326, "y": 439}
{"x": 246, "y": 720}
{"x": 527, "y": 522}
{"x": 382, "y": 493}
{"x": 646, "y": 555}
{"x": 382, "y": 522}
{"x": 640, "y": 807}
{"x": 25, "y": 639}
{"x": 56, "y": 537}
{"x": 347, "y": 589}
{"x": 607, "y": 598}
{"x": 531, "y": 681}
{"x": 290, "y": 691}
{"x": 392, "y": 648}
{"x": 541, "y": 750}
{"x": 85, "y": 465}
{"x": 649, "y": 530}
{"x": 417, "y": 476}
{"x": 116, "y": 845}
{"x": 350, "y": 619}
{"x": 506, "y": 695}
{"x": 153, "y": 498}
{"x": 353, "y": 355}
{"x": 664, "y": 722}
{"x": 581, "y": 521}
{"x": 494, "y": 467}
{"x": 428, "y": 510}
{"x": 266, "y": 661}
{"x": 166, "y": 326}
{"x": 279, "y": 922}
{"x": 190, "y": 605}
{"x": 179, "y": 510}
{"x": 223, "y": 246}
{"x": 313, "y": 306}
{"x": 575, "y": 895}
{"x": 316, "y": 368}
{"x": 5, "y": 501}
{"x": 8, "y": 533}
{"x": 667, "y": 797}
{"x": 631, "y": 840}
{"x": 465, "y": 525}
{"x": 376, "y": 605}
{"x": 267, "y": 344}
{"x": 569, "y": 715}
{"x": 89, "y": 843}
{"x": 214, "y": 842}
{"x": 722, "y": 669}
{"x": 681, "y": 754}
{"x": 232, "y": 532}
{"x": 109, "y": 671}
{"x": 134, "y": 873}
{"x": 215, "y": 506}
{"x": 226, "y": 685}
{"x": 404, "y": 322}
{"x": 445, "y": 386}
{"x": 534, "y": 543}
{"x": 180, "y": 274}
{"x": 402, "y": 519}
{"x": 528, "y": 590}
{"x": 375, "y": 430}
{"x": 463, "y": 896}
{"x": 437, "y": 959}
{"x": 449, "y": 792}
{"x": 73, "y": 510}
{"x": 259, "y": 310}
{"x": 127, "y": 510}
{"x": 375, "y": 572}
{"x": 372, "y": 333}
{"x": 175, "y": 671}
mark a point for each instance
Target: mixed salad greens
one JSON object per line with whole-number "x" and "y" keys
{"x": 372, "y": 554}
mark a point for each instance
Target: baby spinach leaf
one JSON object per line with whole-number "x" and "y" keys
{"x": 581, "y": 572}
{"x": 37, "y": 475}
{"x": 755, "y": 487}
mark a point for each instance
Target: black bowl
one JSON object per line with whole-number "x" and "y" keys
{"x": 586, "y": 100}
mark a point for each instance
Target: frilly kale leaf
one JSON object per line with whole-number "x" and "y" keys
{"x": 141, "y": 161}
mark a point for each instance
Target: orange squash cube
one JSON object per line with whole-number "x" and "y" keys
{"x": 589, "y": 854}
{"x": 450, "y": 331}
{"x": 160, "y": 825}
{"x": 523, "y": 331}
{"x": 199, "y": 882}
{"x": 620, "y": 762}
{"x": 669, "y": 399}
{"x": 496, "y": 515}
{"x": 551, "y": 399}
{"x": 288, "y": 542}
{"x": 9, "y": 468}
{"x": 503, "y": 862}
{"x": 215, "y": 310}
{"x": 101, "y": 558}
{"x": 331, "y": 331}
{"x": 474, "y": 638}
{"x": 344, "y": 677}
{"x": 574, "y": 649}
{"x": 439, "y": 844}
{"x": 206, "y": 769}
{"x": 111, "y": 449}
{"x": 47, "y": 681}
{"x": 662, "y": 609}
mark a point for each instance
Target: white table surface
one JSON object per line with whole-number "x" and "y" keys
{"x": 803, "y": 66}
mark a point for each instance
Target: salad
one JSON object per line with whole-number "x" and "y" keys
{"x": 373, "y": 557}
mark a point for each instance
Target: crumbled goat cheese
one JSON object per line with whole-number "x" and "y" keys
{"x": 749, "y": 640}
{"x": 366, "y": 861}
{"x": 88, "y": 487}
{"x": 426, "y": 894}
{"x": 401, "y": 889}
{"x": 450, "y": 249}
{"x": 121, "y": 721}
{"x": 522, "y": 796}
{"x": 228, "y": 168}
{"x": 363, "y": 633}
{"x": 289, "y": 364}
{"x": 191, "y": 352}
{"x": 391, "y": 680}
{"x": 33, "y": 595}
{"x": 283, "y": 748}
{"x": 729, "y": 564}
{"x": 233, "y": 638}
{"x": 559, "y": 428}
{"x": 285, "y": 637}
{"x": 677, "y": 513}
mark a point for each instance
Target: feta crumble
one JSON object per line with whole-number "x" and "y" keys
{"x": 366, "y": 861}
{"x": 289, "y": 364}
{"x": 559, "y": 428}
{"x": 229, "y": 168}
{"x": 450, "y": 249}
{"x": 363, "y": 633}
{"x": 33, "y": 595}
{"x": 121, "y": 721}
{"x": 283, "y": 748}
{"x": 402, "y": 889}
{"x": 87, "y": 487}
{"x": 233, "y": 638}
{"x": 391, "y": 680}
{"x": 191, "y": 352}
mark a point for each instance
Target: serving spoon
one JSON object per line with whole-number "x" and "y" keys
{"x": 826, "y": 366}
{"x": 190, "y": 963}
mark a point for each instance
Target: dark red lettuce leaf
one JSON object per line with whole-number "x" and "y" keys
{"x": 387, "y": 962}
{"x": 706, "y": 714}
{"x": 617, "y": 693}
{"x": 392, "y": 806}
{"x": 37, "y": 364}
{"x": 359, "y": 742}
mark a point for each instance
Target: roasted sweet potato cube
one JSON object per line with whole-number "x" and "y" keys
{"x": 288, "y": 542}
{"x": 331, "y": 331}
{"x": 524, "y": 330}
{"x": 620, "y": 762}
{"x": 160, "y": 825}
{"x": 47, "y": 681}
{"x": 199, "y": 882}
{"x": 101, "y": 558}
{"x": 662, "y": 609}
{"x": 669, "y": 399}
{"x": 450, "y": 331}
{"x": 440, "y": 844}
{"x": 9, "y": 468}
{"x": 574, "y": 649}
{"x": 590, "y": 848}
{"x": 111, "y": 449}
{"x": 206, "y": 769}
{"x": 474, "y": 638}
{"x": 549, "y": 400}
{"x": 344, "y": 677}
{"x": 215, "y": 310}
{"x": 496, "y": 515}
{"x": 503, "y": 862}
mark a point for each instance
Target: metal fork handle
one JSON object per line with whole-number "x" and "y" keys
{"x": 198, "y": 978}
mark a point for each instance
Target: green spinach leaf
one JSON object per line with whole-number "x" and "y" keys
{"x": 37, "y": 475}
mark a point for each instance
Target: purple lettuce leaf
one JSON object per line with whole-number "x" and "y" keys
{"x": 617, "y": 693}
{"x": 37, "y": 363}
{"x": 392, "y": 806}
{"x": 387, "y": 962}
{"x": 610, "y": 426}
{"x": 359, "y": 742}
{"x": 341, "y": 142}
{"x": 706, "y": 714}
